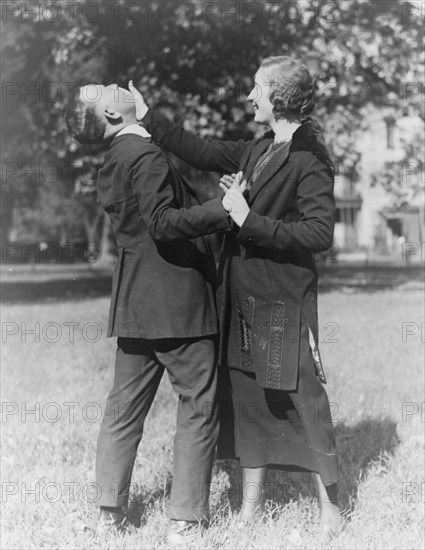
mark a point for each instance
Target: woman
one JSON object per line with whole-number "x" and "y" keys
{"x": 283, "y": 210}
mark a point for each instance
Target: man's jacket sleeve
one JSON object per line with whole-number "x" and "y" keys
{"x": 153, "y": 188}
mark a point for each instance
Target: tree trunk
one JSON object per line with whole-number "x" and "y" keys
{"x": 106, "y": 258}
{"x": 93, "y": 246}
{"x": 63, "y": 238}
{"x": 8, "y": 231}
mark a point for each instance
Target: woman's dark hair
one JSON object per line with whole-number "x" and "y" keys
{"x": 82, "y": 120}
{"x": 291, "y": 87}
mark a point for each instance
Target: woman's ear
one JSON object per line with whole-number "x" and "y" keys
{"x": 112, "y": 116}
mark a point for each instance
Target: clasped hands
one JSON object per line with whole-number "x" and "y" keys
{"x": 233, "y": 201}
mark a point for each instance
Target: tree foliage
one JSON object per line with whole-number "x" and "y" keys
{"x": 196, "y": 60}
{"x": 404, "y": 179}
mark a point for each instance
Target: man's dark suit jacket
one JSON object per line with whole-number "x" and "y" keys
{"x": 160, "y": 289}
{"x": 269, "y": 277}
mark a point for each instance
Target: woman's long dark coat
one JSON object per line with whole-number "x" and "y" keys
{"x": 269, "y": 276}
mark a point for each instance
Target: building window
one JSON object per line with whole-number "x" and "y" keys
{"x": 346, "y": 222}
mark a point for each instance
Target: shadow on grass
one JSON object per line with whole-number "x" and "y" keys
{"x": 77, "y": 286}
{"x": 142, "y": 503}
{"x": 56, "y": 290}
{"x": 369, "y": 278}
{"x": 359, "y": 447}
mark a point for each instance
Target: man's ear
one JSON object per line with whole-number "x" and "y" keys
{"x": 112, "y": 116}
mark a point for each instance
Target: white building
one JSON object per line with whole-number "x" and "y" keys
{"x": 368, "y": 218}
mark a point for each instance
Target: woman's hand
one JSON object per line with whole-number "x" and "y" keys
{"x": 233, "y": 201}
{"x": 229, "y": 180}
{"x": 226, "y": 181}
{"x": 139, "y": 102}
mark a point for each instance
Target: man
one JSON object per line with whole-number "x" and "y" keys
{"x": 162, "y": 308}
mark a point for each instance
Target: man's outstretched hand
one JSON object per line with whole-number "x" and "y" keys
{"x": 139, "y": 102}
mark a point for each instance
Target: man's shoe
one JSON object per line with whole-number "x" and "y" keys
{"x": 112, "y": 522}
{"x": 182, "y": 533}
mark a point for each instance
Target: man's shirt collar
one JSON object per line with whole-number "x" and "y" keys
{"x": 134, "y": 129}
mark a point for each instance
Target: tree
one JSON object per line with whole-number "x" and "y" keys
{"x": 196, "y": 60}
{"x": 404, "y": 179}
{"x": 43, "y": 61}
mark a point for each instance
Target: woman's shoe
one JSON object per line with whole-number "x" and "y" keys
{"x": 251, "y": 513}
{"x": 330, "y": 521}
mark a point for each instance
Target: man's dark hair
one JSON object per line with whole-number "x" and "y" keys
{"x": 82, "y": 120}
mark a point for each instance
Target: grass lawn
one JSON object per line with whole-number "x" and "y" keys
{"x": 54, "y": 386}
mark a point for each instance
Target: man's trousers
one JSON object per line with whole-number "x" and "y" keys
{"x": 139, "y": 366}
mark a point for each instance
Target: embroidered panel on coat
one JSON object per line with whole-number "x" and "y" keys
{"x": 246, "y": 324}
{"x": 276, "y": 339}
